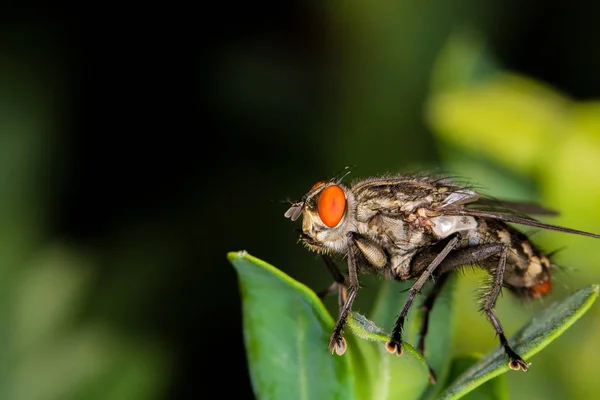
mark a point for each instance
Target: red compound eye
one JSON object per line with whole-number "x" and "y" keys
{"x": 332, "y": 204}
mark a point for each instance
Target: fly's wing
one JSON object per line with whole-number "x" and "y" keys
{"x": 463, "y": 201}
{"x": 518, "y": 220}
{"x": 512, "y": 207}
{"x": 440, "y": 194}
{"x": 512, "y": 212}
{"x": 473, "y": 200}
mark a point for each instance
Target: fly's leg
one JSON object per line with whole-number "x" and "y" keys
{"x": 426, "y": 310}
{"x": 337, "y": 343}
{"x": 335, "y": 271}
{"x": 471, "y": 255}
{"x": 394, "y": 345}
{"x": 489, "y": 300}
{"x": 455, "y": 259}
{"x": 340, "y": 289}
{"x": 329, "y": 290}
{"x": 339, "y": 284}
{"x": 476, "y": 254}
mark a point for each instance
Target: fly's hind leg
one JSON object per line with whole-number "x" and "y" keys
{"x": 489, "y": 300}
{"x": 473, "y": 255}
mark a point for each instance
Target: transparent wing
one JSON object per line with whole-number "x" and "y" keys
{"x": 514, "y": 207}
{"x": 517, "y": 219}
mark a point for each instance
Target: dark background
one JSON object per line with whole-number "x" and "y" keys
{"x": 178, "y": 134}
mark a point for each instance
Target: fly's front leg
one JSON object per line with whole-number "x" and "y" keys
{"x": 489, "y": 300}
{"x": 339, "y": 285}
{"x": 337, "y": 343}
{"x": 340, "y": 289}
{"x": 394, "y": 345}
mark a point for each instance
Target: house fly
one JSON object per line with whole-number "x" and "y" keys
{"x": 417, "y": 227}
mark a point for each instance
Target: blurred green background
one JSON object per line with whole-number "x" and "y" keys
{"x": 139, "y": 146}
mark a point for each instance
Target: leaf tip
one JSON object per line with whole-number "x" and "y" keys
{"x": 234, "y": 255}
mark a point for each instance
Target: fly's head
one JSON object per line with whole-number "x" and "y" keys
{"x": 328, "y": 213}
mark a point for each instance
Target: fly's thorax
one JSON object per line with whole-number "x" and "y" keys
{"x": 329, "y": 213}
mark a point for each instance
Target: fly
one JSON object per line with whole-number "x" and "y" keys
{"x": 417, "y": 227}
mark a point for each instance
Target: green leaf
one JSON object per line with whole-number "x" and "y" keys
{"x": 528, "y": 341}
{"x": 286, "y": 333}
{"x": 385, "y": 375}
{"x": 495, "y": 389}
{"x": 439, "y": 340}
{"x": 287, "y": 330}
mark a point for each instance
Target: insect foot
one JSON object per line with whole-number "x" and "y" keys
{"x": 518, "y": 363}
{"x": 394, "y": 347}
{"x": 337, "y": 344}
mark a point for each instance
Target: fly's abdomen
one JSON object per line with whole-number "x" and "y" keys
{"x": 528, "y": 269}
